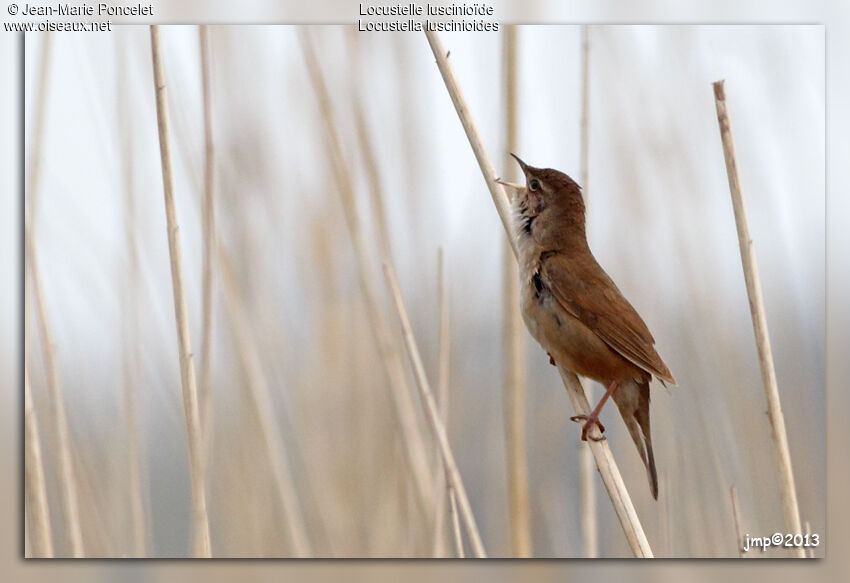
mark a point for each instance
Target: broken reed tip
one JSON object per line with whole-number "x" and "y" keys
{"x": 719, "y": 92}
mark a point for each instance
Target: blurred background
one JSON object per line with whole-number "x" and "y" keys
{"x": 292, "y": 290}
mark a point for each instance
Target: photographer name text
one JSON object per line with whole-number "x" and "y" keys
{"x": 99, "y": 9}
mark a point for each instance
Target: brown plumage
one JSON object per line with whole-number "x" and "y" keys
{"x": 575, "y": 311}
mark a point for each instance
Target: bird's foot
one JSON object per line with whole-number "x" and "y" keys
{"x": 589, "y": 421}
{"x": 551, "y": 360}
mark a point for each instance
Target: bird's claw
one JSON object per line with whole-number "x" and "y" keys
{"x": 552, "y": 360}
{"x": 588, "y": 423}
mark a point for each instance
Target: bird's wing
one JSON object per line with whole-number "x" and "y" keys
{"x": 591, "y": 296}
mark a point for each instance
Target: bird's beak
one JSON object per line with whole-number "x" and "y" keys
{"x": 522, "y": 164}
{"x": 515, "y": 189}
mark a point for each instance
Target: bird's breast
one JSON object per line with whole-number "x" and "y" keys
{"x": 568, "y": 340}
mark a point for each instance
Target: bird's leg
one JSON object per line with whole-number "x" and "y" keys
{"x": 593, "y": 418}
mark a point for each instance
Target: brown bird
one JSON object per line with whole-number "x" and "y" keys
{"x": 574, "y": 310}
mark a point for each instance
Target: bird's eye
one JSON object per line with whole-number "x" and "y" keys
{"x": 533, "y": 185}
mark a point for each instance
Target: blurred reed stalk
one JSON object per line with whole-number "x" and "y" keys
{"x": 370, "y": 162}
{"x": 66, "y": 474}
{"x": 453, "y": 478}
{"x": 414, "y": 444}
{"x": 513, "y": 341}
{"x": 736, "y": 519}
{"x": 456, "y": 536}
{"x": 810, "y": 551}
{"x": 608, "y": 470}
{"x": 443, "y": 406}
{"x": 38, "y": 513}
{"x": 130, "y": 310}
{"x": 200, "y": 519}
{"x": 589, "y": 530}
{"x": 261, "y": 399}
{"x": 444, "y": 353}
{"x": 778, "y": 434}
{"x": 208, "y": 220}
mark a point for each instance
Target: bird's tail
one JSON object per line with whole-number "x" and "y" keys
{"x": 637, "y": 422}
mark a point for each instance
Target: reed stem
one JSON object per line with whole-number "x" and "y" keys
{"x": 130, "y": 309}
{"x": 67, "y": 475}
{"x": 778, "y": 434}
{"x": 513, "y": 342}
{"x": 589, "y": 527}
{"x": 736, "y": 518}
{"x": 453, "y": 478}
{"x": 208, "y": 220}
{"x": 261, "y": 399}
{"x": 38, "y": 514}
{"x": 605, "y": 463}
{"x": 200, "y": 520}
{"x": 414, "y": 449}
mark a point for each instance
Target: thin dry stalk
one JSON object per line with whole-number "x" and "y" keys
{"x": 38, "y": 514}
{"x": 370, "y": 162}
{"x": 442, "y": 401}
{"x": 261, "y": 399}
{"x": 445, "y": 339}
{"x": 456, "y": 536}
{"x": 67, "y": 477}
{"x": 414, "y": 449}
{"x": 665, "y": 516}
{"x": 438, "y": 427}
{"x": 736, "y": 518}
{"x": 513, "y": 342}
{"x": 778, "y": 434}
{"x": 438, "y": 549}
{"x": 584, "y": 132}
{"x": 810, "y": 551}
{"x": 200, "y": 520}
{"x": 130, "y": 310}
{"x": 375, "y": 190}
{"x": 589, "y": 528}
{"x": 605, "y": 463}
{"x": 376, "y": 200}
{"x": 208, "y": 219}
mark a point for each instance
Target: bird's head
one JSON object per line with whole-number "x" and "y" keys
{"x": 547, "y": 189}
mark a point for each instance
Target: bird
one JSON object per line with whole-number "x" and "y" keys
{"x": 575, "y": 311}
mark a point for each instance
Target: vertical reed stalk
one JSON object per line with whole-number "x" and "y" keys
{"x": 130, "y": 311}
{"x": 455, "y": 518}
{"x": 442, "y": 401}
{"x": 200, "y": 520}
{"x": 378, "y": 212}
{"x": 589, "y": 531}
{"x": 261, "y": 399}
{"x": 778, "y": 434}
{"x": 455, "y": 482}
{"x": 67, "y": 476}
{"x": 810, "y": 551}
{"x": 414, "y": 449}
{"x": 445, "y": 339}
{"x": 370, "y": 162}
{"x": 38, "y": 514}
{"x": 513, "y": 341}
{"x": 736, "y": 518}
{"x": 608, "y": 470}
{"x": 208, "y": 219}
